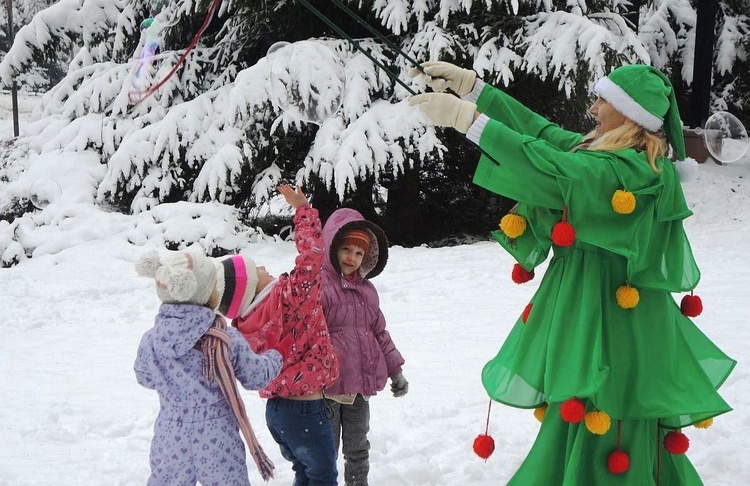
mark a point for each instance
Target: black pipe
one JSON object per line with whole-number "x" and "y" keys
{"x": 336, "y": 29}
{"x": 340, "y": 32}
{"x": 377, "y": 34}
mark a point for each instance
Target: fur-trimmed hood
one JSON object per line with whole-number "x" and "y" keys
{"x": 345, "y": 219}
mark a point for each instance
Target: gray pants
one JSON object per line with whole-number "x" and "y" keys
{"x": 352, "y": 423}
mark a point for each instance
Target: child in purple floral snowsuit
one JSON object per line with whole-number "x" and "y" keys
{"x": 196, "y": 436}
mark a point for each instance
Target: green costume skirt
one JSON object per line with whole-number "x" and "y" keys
{"x": 648, "y": 367}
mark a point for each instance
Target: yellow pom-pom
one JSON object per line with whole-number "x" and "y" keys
{"x": 623, "y": 202}
{"x": 513, "y": 225}
{"x": 598, "y": 422}
{"x": 704, "y": 424}
{"x": 540, "y": 412}
{"x": 627, "y": 297}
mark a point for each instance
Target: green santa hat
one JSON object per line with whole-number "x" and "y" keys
{"x": 644, "y": 95}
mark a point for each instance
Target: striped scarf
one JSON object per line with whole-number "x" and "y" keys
{"x": 217, "y": 365}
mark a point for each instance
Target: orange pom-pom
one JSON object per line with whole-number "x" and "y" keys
{"x": 513, "y": 225}
{"x": 691, "y": 306}
{"x": 540, "y": 412}
{"x": 598, "y": 422}
{"x": 484, "y": 446}
{"x": 526, "y": 312}
{"x": 618, "y": 462}
{"x": 572, "y": 411}
{"x": 676, "y": 442}
{"x": 623, "y": 202}
{"x": 627, "y": 297}
{"x": 521, "y": 275}
{"x": 563, "y": 234}
{"x": 704, "y": 424}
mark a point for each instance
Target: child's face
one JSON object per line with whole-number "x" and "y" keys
{"x": 264, "y": 278}
{"x": 213, "y": 301}
{"x": 350, "y": 258}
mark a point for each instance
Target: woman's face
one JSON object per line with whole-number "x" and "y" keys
{"x": 607, "y": 118}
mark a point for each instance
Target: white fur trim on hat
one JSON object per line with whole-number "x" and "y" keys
{"x": 622, "y": 102}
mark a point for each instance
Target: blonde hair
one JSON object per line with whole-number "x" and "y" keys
{"x": 631, "y": 135}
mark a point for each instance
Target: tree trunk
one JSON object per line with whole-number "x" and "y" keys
{"x": 700, "y": 96}
{"x": 403, "y": 218}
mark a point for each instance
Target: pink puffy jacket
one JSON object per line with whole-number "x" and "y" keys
{"x": 367, "y": 355}
{"x": 294, "y": 303}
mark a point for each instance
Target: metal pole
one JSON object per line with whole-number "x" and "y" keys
{"x": 13, "y": 87}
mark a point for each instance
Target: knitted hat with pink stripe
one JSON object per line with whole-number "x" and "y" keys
{"x": 236, "y": 282}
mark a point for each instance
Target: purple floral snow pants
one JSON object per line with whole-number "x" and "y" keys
{"x": 191, "y": 448}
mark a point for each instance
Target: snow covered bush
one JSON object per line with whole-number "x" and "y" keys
{"x": 50, "y": 66}
{"x": 212, "y": 134}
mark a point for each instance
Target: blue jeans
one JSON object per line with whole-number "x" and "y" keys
{"x": 302, "y": 428}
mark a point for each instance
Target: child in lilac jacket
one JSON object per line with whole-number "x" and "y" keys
{"x": 196, "y": 434}
{"x": 357, "y": 250}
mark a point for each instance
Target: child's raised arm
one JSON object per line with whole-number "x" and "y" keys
{"x": 308, "y": 237}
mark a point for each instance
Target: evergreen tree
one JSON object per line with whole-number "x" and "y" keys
{"x": 212, "y": 133}
{"x": 49, "y": 70}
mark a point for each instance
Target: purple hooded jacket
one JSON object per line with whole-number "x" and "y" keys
{"x": 367, "y": 355}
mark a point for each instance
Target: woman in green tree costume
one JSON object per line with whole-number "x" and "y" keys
{"x": 603, "y": 353}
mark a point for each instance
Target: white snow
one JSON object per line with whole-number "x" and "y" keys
{"x": 71, "y": 317}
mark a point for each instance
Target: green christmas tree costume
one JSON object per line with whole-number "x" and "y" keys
{"x": 648, "y": 367}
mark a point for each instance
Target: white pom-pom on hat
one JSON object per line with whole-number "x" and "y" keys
{"x": 687, "y": 170}
{"x": 148, "y": 264}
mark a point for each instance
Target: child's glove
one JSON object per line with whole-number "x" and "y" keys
{"x": 399, "y": 385}
{"x": 444, "y": 75}
{"x": 283, "y": 346}
{"x": 446, "y": 110}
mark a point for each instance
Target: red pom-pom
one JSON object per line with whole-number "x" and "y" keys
{"x": 691, "y": 306}
{"x": 676, "y": 442}
{"x": 521, "y": 275}
{"x": 618, "y": 462}
{"x": 484, "y": 446}
{"x": 563, "y": 234}
{"x": 573, "y": 410}
{"x": 526, "y": 312}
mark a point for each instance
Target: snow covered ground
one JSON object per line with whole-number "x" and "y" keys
{"x": 26, "y": 104}
{"x": 71, "y": 412}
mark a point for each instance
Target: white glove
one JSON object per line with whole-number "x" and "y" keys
{"x": 444, "y": 75}
{"x": 399, "y": 385}
{"x": 446, "y": 110}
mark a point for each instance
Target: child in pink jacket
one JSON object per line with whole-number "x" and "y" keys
{"x": 357, "y": 250}
{"x": 296, "y": 412}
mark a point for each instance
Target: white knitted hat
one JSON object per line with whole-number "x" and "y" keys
{"x": 181, "y": 278}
